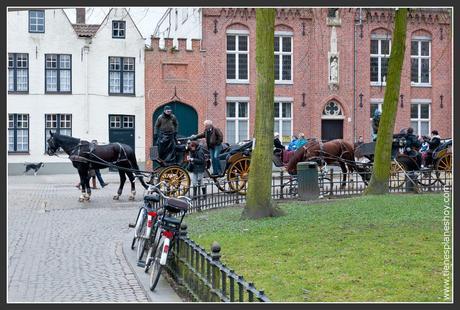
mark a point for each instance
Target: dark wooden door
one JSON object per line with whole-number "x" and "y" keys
{"x": 331, "y": 129}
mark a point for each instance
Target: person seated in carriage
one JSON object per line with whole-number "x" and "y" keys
{"x": 301, "y": 141}
{"x": 375, "y": 124}
{"x": 432, "y": 144}
{"x": 277, "y": 142}
{"x": 412, "y": 145}
{"x": 292, "y": 144}
{"x": 166, "y": 132}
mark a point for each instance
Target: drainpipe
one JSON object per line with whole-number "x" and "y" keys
{"x": 354, "y": 71}
{"x": 86, "y": 104}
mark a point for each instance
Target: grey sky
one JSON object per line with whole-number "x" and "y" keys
{"x": 146, "y": 18}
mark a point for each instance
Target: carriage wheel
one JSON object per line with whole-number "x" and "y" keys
{"x": 443, "y": 169}
{"x": 397, "y": 177}
{"x": 177, "y": 179}
{"x": 237, "y": 175}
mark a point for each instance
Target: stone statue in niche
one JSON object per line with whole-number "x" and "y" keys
{"x": 333, "y": 18}
{"x": 332, "y": 13}
{"x": 334, "y": 70}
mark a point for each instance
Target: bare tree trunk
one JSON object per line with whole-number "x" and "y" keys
{"x": 382, "y": 157}
{"x": 259, "y": 202}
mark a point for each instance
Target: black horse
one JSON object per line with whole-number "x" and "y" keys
{"x": 118, "y": 154}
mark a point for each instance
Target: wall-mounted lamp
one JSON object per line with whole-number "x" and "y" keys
{"x": 215, "y": 97}
{"x": 215, "y": 26}
{"x": 303, "y": 28}
{"x": 361, "y": 100}
{"x": 361, "y": 30}
{"x": 303, "y": 99}
{"x": 402, "y": 100}
{"x": 440, "y": 29}
{"x": 441, "y": 97}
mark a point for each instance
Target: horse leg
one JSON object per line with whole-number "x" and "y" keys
{"x": 88, "y": 188}
{"x": 83, "y": 185}
{"x": 132, "y": 180}
{"x": 344, "y": 174}
{"x": 122, "y": 183}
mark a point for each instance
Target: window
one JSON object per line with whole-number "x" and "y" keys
{"x": 237, "y": 122}
{"x": 37, "y": 21}
{"x": 380, "y": 54}
{"x": 376, "y": 105}
{"x": 420, "y": 118}
{"x": 283, "y": 120}
{"x": 18, "y": 72}
{"x": 121, "y": 121}
{"x": 420, "y": 62}
{"x": 118, "y": 29}
{"x": 18, "y": 133}
{"x": 121, "y": 75}
{"x": 283, "y": 59}
{"x": 58, "y": 73}
{"x": 237, "y": 58}
{"x": 60, "y": 123}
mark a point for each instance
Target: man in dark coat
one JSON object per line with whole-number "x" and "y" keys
{"x": 166, "y": 130}
{"x": 277, "y": 143}
{"x": 375, "y": 123}
{"x": 412, "y": 145}
{"x": 214, "y": 138}
{"x": 196, "y": 167}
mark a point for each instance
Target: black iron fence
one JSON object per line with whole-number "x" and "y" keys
{"x": 205, "y": 277}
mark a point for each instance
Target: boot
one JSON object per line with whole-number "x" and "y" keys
{"x": 94, "y": 183}
{"x": 195, "y": 193}
{"x": 203, "y": 191}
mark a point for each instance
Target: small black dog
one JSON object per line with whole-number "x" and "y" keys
{"x": 34, "y": 167}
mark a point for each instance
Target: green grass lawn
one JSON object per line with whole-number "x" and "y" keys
{"x": 376, "y": 248}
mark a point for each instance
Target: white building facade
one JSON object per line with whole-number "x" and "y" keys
{"x": 82, "y": 80}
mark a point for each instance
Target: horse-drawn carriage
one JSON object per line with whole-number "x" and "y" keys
{"x": 438, "y": 166}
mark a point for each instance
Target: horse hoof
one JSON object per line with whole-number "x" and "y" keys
{"x": 80, "y": 199}
{"x": 116, "y": 197}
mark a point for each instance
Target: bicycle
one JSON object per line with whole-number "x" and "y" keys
{"x": 167, "y": 230}
{"x": 146, "y": 219}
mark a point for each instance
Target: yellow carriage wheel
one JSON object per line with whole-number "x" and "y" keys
{"x": 397, "y": 176}
{"x": 443, "y": 169}
{"x": 237, "y": 175}
{"x": 177, "y": 179}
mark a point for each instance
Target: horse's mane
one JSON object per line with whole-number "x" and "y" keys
{"x": 66, "y": 139}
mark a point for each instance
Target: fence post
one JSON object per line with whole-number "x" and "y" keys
{"x": 281, "y": 184}
{"x": 181, "y": 248}
{"x": 215, "y": 255}
{"x": 308, "y": 188}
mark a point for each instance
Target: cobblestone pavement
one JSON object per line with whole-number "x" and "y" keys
{"x": 61, "y": 250}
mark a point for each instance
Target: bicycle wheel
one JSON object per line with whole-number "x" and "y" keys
{"x": 151, "y": 252}
{"x": 141, "y": 240}
{"x": 156, "y": 267}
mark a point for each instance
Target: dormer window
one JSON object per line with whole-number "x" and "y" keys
{"x": 37, "y": 21}
{"x": 118, "y": 29}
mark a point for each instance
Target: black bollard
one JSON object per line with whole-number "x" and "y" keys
{"x": 307, "y": 178}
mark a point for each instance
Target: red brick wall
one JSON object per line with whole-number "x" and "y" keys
{"x": 206, "y": 69}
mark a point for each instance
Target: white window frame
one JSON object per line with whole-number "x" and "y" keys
{"x": 59, "y": 118}
{"x": 419, "y": 41}
{"x": 419, "y": 120}
{"x": 280, "y": 118}
{"x": 13, "y": 126}
{"x": 280, "y": 53}
{"x": 379, "y": 56}
{"x": 237, "y": 101}
{"x": 237, "y": 34}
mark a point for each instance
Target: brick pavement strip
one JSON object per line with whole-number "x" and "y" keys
{"x": 60, "y": 250}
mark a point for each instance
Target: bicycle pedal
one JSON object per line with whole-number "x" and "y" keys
{"x": 131, "y": 225}
{"x": 141, "y": 263}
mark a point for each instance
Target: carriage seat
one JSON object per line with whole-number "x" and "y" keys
{"x": 176, "y": 205}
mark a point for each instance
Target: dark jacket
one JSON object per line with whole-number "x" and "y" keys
{"x": 213, "y": 137}
{"x": 278, "y": 144}
{"x": 412, "y": 141}
{"x": 434, "y": 142}
{"x": 198, "y": 163}
{"x": 166, "y": 123}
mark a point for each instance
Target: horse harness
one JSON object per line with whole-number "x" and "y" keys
{"x": 91, "y": 148}
{"x": 322, "y": 153}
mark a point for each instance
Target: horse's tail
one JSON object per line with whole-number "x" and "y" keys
{"x": 136, "y": 167}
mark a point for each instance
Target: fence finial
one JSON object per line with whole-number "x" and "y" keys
{"x": 183, "y": 229}
{"x": 215, "y": 251}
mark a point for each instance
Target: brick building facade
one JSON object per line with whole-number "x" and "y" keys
{"x": 330, "y": 72}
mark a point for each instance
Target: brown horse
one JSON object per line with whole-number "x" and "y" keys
{"x": 334, "y": 151}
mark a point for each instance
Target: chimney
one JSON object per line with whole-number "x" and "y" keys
{"x": 81, "y": 15}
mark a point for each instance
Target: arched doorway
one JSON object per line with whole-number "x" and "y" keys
{"x": 186, "y": 115}
{"x": 332, "y": 121}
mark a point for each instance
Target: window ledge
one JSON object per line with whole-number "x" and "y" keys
{"x": 18, "y": 153}
{"x": 378, "y": 84}
{"x": 420, "y": 85}
{"x": 122, "y": 95}
{"x": 237, "y": 81}
{"x": 284, "y": 83}
{"x": 11, "y": 92}
{"x": 58, "y": 93}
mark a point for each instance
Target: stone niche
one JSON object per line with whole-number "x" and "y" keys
{"x": 333, "y": 17}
